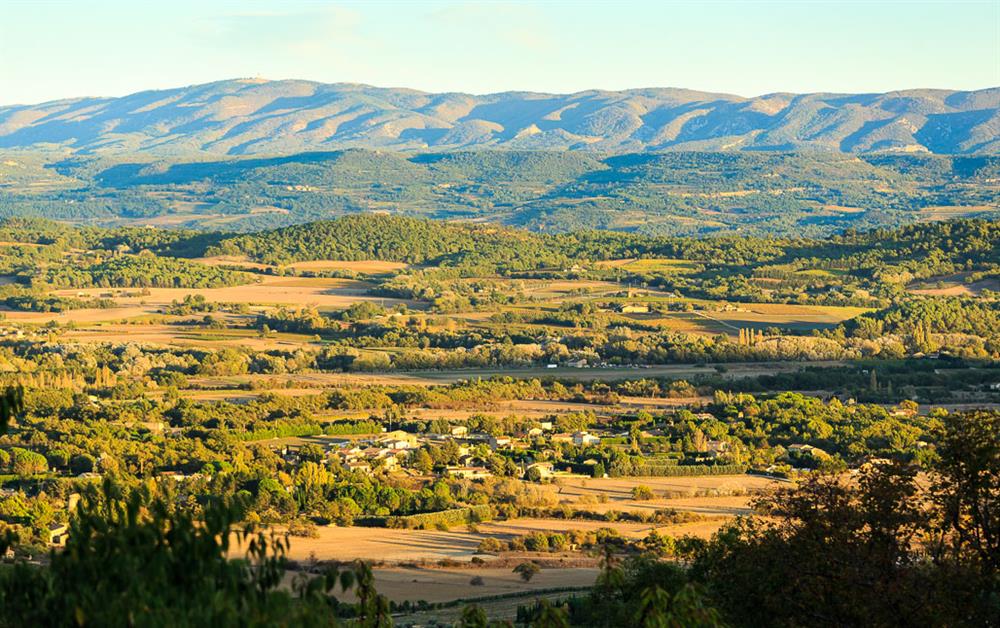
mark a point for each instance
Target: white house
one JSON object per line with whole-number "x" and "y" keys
{"x": 582, "y": 439}
{"x": 498, "y": 441}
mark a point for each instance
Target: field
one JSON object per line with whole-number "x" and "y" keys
{"x": 444, "y": 584}
{"x": 267, "y": 291}
{"x": 651, "y": 265}
{"x": 365, "y": 267}
{"x": 326, "y": 294}
{"x": 796, "y": 317}
{"x": 753, "y": 316}
{"x": 947, "y": 212}
{"x": 716, "y": 498}
{"x": 435, "y": 565}
{"x": 956, "y": 284}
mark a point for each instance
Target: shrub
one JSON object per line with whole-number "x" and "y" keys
{"x": 642, "y": 493}
{"x": 527, "y": 570}
{"x": 537, "y": 542}
{"x": 490, "y": 545}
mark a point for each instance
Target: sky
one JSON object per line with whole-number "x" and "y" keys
{"x": 52, "y": 49}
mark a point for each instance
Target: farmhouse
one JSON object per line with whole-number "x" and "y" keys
{"x": 362, "y": 467}
{"x": 495, "y": 442}
{"x": 541, "y": 470}
{"x": 717, "y": 446}
{"x": 633, "y": 308}
{"x": 806, "y": 450}
{"x": 397, "y": 440}
{"x": 582, "y": 439}
{"x": 469, "y": 473}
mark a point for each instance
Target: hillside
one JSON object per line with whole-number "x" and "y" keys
{"x": 244, "y": 117}
{"x": 803, "y": 194}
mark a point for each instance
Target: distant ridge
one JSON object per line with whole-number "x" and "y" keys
{"x": 254, "y": 116}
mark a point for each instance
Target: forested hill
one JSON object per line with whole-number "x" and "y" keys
{"x": 243, "y": 117}
{"x": 672, "y": 193}
{"x": 419, "y": 241}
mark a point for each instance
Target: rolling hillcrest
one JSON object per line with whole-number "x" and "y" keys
{"x": 256, "y": 117}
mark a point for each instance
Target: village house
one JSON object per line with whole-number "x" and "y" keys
{"x": 496, "y": 442}
{"x": 806, "y": 450}
{"x": 582, "y": 439}
{"x": 392, "y": 443}
{"x": 360, "y": 466}
{"x": 717, "y": 446}
{"x": 348, "y": 454}
{"x": 469, "y": 460}
{"x": 469, "y": 473}
{"x": 399, "y": 435}
{"x": 544, "y": 469}
{"x": 633, "y": 308}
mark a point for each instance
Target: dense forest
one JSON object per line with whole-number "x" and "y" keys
{"x": 682, "y": 193}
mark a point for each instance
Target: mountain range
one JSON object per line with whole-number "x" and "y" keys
{"x": 256, "y": 117}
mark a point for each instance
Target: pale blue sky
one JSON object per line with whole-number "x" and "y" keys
{"x": 51, "y": 49}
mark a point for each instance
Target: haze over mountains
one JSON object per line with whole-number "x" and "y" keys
{"x": 243, "y": 117}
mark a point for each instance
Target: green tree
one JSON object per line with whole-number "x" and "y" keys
{"x": 527, "y": 570}
{"x": 473, "y": 616}
{"x": 169, "y": 569}
{"x": 967, "y": 489}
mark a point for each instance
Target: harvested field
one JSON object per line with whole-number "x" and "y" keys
{"x": 159, "y": 334}
{"x": 94, "y": 315}
{"x": 400, "y": 545}
{"x": 621, "y": 488}
{"x": 442, "y": 584}
{"x": 326, "y": 294}
{"x": 384, "y": 545}
{"x": 954, "y": 285}
{"x": 371, "y": 267}
{"x": 241, "y": 261}
{"x": 947, "y": 212}
{"x": 269, "y": 290}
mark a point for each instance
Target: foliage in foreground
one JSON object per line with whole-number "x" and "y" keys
{"x": 132, "y": 559}
{"x": 888, "y": 547}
